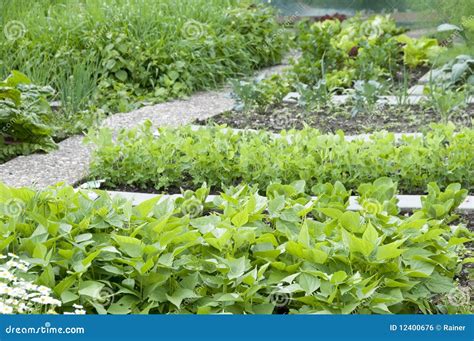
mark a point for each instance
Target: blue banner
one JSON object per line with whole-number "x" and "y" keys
{"x": 227, "y": 327}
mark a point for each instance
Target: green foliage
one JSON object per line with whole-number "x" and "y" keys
{"x": 185, "y": 157}
{"x": 447, "y": 102}
{"x": 418, "y": 51}
{"x": 244, "y": 253}
{"x": 25, "y": 117}
{"x": 450, "y": 86}
{"x": 455, "y": 73}
{"x": 365, "y": 96}
{"x": 355, "y": 49}
{"x": 118, "y": 54}
{"x": 260, "y": 93}
{"x": 337, "y": 55}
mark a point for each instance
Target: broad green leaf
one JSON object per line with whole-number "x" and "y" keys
{"x": 350, "y": 221}
{"x": 303, "y": 237}
{"x": 389, "y": 251}
{"x": 180, "y": 294}
{"x": 439, "y": 284}
{"x": 237, "y": 267}
{"x": 240, "y": 219}
{"x": 338, "y": 277}
{"x": 164, "y": 208}
{"x": 64, "y": 285}
{"x": 309, "y": 283}
{"x": 91, "y": 289}
{"x": 370, "y": 234}
{"x": 331, "y": 212}
{"x": 146, "y": 207}
{"x": 131, "y": 246}
{"x": 68, "y": 296}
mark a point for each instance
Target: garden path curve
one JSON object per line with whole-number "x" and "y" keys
{"x": 70, "y": 162}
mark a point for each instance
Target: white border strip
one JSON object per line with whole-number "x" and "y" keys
{"x": 365, "y": 137}
{"x": 405, "y": 202}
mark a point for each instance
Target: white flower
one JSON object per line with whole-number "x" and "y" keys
{"x": 22, "y": 267}
{"x": 5, "y": 274}
{"x": 43, "y": 290}
{"x": 5, "y": 309}
{"x": 17, "y": 292}
{"x": 28, "y": 286}
{"x": 18, "y": 296}
{"x": 12, "y": 255}
{"x": 11, "y": 264}
{"x": 22, "y": 308}
{"x": 46, "y": 300}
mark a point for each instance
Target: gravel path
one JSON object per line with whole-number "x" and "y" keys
{"x": 70, "y": 162}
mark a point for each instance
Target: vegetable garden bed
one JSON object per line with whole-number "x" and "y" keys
{"x": 104, "y": 57}
{"x": 305, "y": 221}
{"x": 242, "y": 253}
{"x": 291, "y": 116}
{"x": 172, "y": 158}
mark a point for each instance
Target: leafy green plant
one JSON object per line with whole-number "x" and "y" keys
{"x": 365, "y": 96}
{"x": 337, "y": 55}
{"x": 450, "y": 87}
{"x": 315, "y": 96}
{"x": 456, "y": 73}
{"x": 445, "y": 101}
{"x": 260, "y": 93}
{"x": 418, "y": 51}
{"x": 243, "y": 253}
{"x": 186, "y": 157}
{"x": 25, "y": 117}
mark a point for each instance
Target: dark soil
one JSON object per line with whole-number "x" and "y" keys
{"x": 465, "y": 277}
{"x": 184, "y": 186}
{"x": 390, "y": 118}
{"x": 468, "y": 218}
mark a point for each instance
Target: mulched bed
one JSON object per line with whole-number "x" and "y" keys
{"x": 391, "y": 118}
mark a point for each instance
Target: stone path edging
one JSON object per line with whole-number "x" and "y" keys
{"x": 406, "y": 202}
